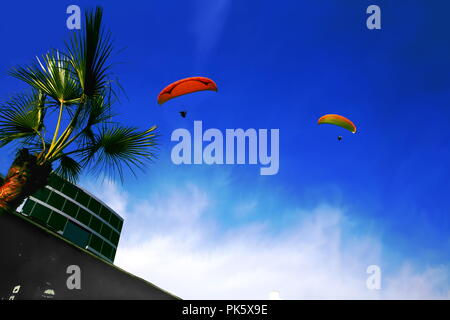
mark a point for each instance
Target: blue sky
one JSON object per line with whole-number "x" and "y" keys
{"x": 280, "y": 65}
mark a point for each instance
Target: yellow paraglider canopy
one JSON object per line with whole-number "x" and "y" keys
{"x": 338, "y": 121}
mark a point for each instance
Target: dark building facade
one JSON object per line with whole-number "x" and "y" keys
{"x": 36, "y": 263}
{"x": 59, "y": 228}
{"x": 76, "y": 215}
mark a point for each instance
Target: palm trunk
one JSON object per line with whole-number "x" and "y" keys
{"x": 24, "y": 178}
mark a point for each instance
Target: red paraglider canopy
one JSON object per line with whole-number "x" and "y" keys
{"x": 185, "y": 86}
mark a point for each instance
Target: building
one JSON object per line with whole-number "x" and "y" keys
{"x": 77, "y": 216}
{"x": 60, "y": 227}
{"x": 38, "y": 264}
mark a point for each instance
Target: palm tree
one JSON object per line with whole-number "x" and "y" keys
{"x": 76, "y": 86}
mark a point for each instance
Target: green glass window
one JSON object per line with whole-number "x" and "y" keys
{"x": 105, "y": 213}
{"x": 82, "y": 198}
{"x": 106, "y": 231}
{"x": 83, "y": 216}
{"x": 95, "y": 224}
{"x": 96, "y": 243}
{"x": 107, "y": 250}
{"x": 94, "y": 205}
{"x": 114, "y": 221}
{"x": 76, "y": 234}
{"x": 28, "y": 206}
{"x": 57, "y": 221}
{"x": 40, "y": 212}
{"x": 69, "y": 190}
{"x": 42, "y": 194}
{"x": 56, "y": 201}
{"x": 120, "y": 225}
{"x": 115, "y": 237}
{"x": 56, "y": 182}
{"x": 113, "y": 254}
{"x": 70, "y": 208}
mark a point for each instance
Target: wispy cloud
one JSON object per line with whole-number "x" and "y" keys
{"x": 209, "y": 20}
{"x": 173, "y": 240}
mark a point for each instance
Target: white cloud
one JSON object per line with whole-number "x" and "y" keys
{"x": 245, "y": 208}
{"x": 175, "y": 241}
{"x": 408, "y": 284}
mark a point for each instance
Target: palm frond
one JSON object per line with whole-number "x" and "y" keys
{"x": 68, "y": 168}
{"x": 96, "y": 110}
{"x": 89, "y": 52}
{"x": 117, "y": 146}
{"x": 34, "y": 144}
{"x": 52, "y": 76}
{"x": 21, "y": 117}
{"x": 93, "y": 111}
